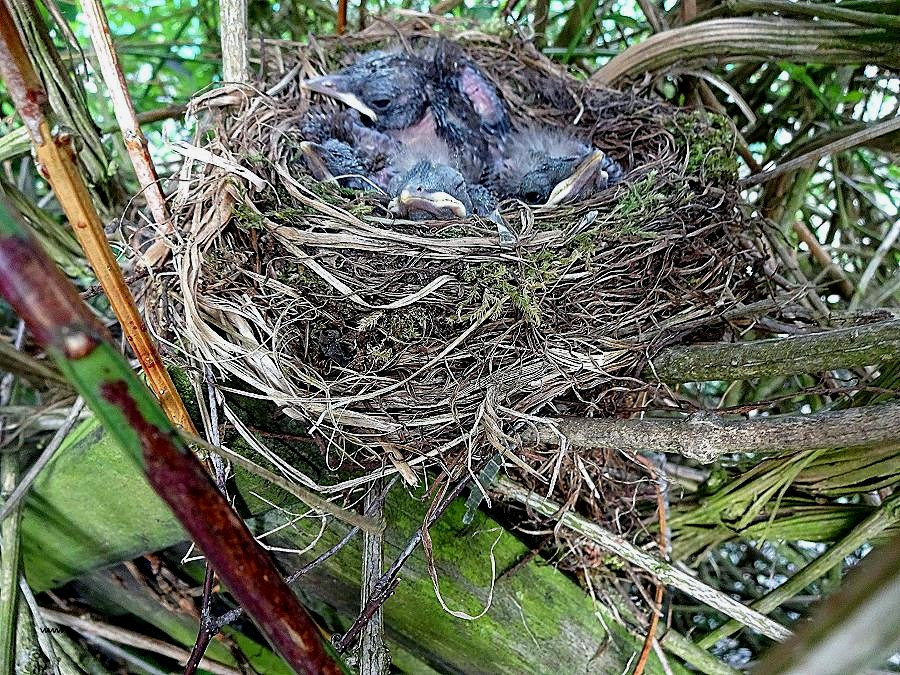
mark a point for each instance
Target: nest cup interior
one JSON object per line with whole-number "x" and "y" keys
{"x": 406, "y": 345}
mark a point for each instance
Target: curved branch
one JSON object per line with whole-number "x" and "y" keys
{"x": 660, "y": 569}
{"x": 759, "y": 39}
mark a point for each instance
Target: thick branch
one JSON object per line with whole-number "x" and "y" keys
{"x": 816, "y": 352}
{"x": 706, "y": 436}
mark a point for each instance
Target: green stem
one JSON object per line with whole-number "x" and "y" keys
{"x": 9, "y": 564}
{"x": 866, "y": 531}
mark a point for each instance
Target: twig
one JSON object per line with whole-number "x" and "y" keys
{"x": 883, "y": 127}
{"x": 388, "y": 582}
{"x": 307, "y": 497}
{"x": 135, "y": 141}
{"x": 868, "y": 530}
{"x": 659, "y": 481}
{"x": 374, "y": 658}
{"x": 341, "y": 17}
{"x": 208, "y": 628}
{"x": 43, "y": 636}
{"x": 844, "y": 285}
{"x": 660, "y": 569}
{"x": 233, "y": 615}
{"x": 89, "y": 627}
{"x": 46, "y": 455}
{"x": 57, "y": 158}
{"x": 705, "y": 436}
{"x": 869, "y": 273}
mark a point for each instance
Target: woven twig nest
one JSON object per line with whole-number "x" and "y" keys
{"x": 427, "y": 343}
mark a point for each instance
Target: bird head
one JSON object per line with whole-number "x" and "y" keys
{"x": 333, "y": 160}
{"x": 386, "y": 87}
{"x": 548, "y": 167}
{"x": 430, "y": 190}
{"x": 469, "y": 87}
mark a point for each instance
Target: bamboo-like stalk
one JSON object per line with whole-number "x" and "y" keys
{"x": 135, "y": 141}
{"x": 57, "y": 160}
{"x": 660, "y": 569}
{"x": 725, "y": 40}
{"x": 708, "y": 436}
{"x": 866, "y": 531}
{"x": 72, "y": 335}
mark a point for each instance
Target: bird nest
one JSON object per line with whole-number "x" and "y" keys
{"x": 403, "y": 345}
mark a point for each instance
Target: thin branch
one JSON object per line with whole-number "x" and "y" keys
{"x": 135, "y": 142}
{"x": 659, "y": 478}
{"x": 374, "y": 658}
{"x": 89, "y": 627}
{"x": 308, "y": 497}
{"x": 233, "y": 31}
{"x": 861, "y": 137}
{"x": 341, "y": 17}
{"x": 706, "y": 436}
{"x": 43, "y": 636}
{"x": 660, "y": 569}
{"x": 873, "y": 526}
{"x": 235, "y": 614}
{"x": 387, "y": 584}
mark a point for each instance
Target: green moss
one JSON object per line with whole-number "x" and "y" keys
{"x": 408, "y": 324}
{"x": 709, "y": 143}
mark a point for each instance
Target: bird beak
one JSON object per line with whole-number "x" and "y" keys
{"x": 584, "y": 174}
{"x": 436, "y": 203}
{"x": 335, "y": 86}
{"x": 311, "y": 153}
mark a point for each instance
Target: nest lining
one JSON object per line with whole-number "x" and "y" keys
{"x": 426, "y": 343}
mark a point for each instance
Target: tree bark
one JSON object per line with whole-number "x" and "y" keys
{"x": 233, "y": 22}
{"x": 816, "y": 352}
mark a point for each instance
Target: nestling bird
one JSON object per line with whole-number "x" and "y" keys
{"x": 550, "y": 167}
{"x": 335, "y": 160}
{"x": 388, "y": 87}
{"x": 429, "y": 181}
{"x": 437, "y": 92}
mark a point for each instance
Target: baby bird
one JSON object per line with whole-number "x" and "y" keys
{"x": 335, "y": 160}
{"x": 388, "y": 87}
{"x": 549, "y": 167}
{"x": 430, "y": 182}
{"x": 437, "y": 92}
